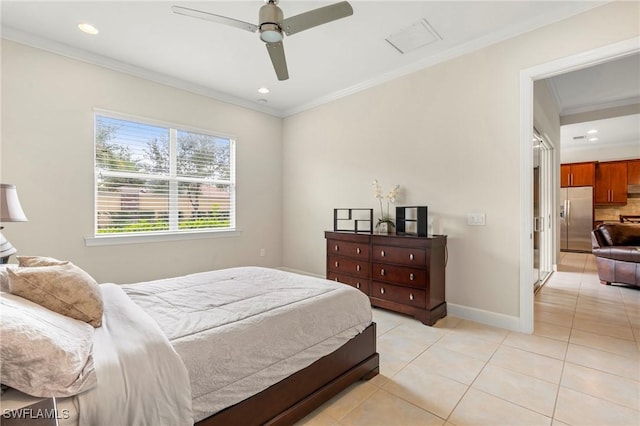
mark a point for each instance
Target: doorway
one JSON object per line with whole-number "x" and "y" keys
{"x": 527, "y": 77}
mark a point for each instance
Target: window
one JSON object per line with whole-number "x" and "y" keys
{"x": 153, "y": 178}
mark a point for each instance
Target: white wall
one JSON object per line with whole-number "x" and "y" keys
{"x": 615, "y": 152}
{"x": 47, "y": 151}
{"x": 449, "y": 135}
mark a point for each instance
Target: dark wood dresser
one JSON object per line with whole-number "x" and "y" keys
{"x": 402, "y": 273}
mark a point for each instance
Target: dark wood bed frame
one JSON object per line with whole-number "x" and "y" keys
{"x": 299, "y": 394}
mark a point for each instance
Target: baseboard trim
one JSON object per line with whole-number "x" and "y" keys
{"x": 484, "y": 317}
{"x": 465, "y": 312}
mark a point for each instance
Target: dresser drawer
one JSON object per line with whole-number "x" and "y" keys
{"x": 400, "y": 255}
{"x": 360, "y": 284}
{"x": 400, "y": 275}
{"x": 346, "y": 265}
{"x": 399, "y": 294}
{"x": 348, "y": 249}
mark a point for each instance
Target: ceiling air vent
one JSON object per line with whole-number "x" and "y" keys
{"x": 578, "y": 138}
{"x": 417, "y": 35}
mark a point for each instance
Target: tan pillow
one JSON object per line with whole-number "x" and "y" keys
{"x": 4, "y": 276}
{"x": 65, "y": 289}
{"x": 39, "y": 261}
{"x": 44, "y": 353}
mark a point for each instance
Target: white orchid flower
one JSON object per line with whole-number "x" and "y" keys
{"x": 391, "y": 198}
{"x": 377, "y": 189}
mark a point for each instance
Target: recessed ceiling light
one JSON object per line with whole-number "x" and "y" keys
{"x": 263, "y": 90}
{"x": 592, "y": 132}
{"x": 88, "y": 28}
{"x": 593, "y": 139}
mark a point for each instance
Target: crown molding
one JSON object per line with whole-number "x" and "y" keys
{"x": 31, "y": 40}
{"x": 482, "y": 42}
{"x": 477, "y": 44}
{"x": 635, "y": 100}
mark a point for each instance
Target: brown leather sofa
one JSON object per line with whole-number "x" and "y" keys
{"x": 617, "y": 250}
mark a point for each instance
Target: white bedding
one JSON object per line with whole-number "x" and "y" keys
{"x": 141, "y": 379}
{"x": 240, "y": 330}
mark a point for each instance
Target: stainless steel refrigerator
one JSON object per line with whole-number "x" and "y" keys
{"x": 576, "y": 218}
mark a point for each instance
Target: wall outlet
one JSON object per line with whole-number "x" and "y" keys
{"x": 476, "y": 219}
{"x": 263, "y": 252}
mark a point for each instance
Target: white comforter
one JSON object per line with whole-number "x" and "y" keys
{"x": 141, "y": 379}
{"x": 240, "y": 330}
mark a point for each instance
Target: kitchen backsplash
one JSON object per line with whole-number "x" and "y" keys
{"x": 613, "y": 213}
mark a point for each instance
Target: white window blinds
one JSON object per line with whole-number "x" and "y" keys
{"x": 156, "y": 179}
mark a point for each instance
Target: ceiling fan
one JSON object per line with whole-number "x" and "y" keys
{"x": 273, "y": 24}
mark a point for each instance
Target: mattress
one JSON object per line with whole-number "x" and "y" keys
{"x": 241, "y": 330}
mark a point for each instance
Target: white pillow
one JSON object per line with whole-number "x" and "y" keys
{"x": 44, "y": 353}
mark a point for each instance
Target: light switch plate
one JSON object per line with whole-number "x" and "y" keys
{"x": 476, "y": 219}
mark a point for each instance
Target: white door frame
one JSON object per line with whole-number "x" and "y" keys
{"x": 549, "y": 201}
{"x": 547, "y": 205}
{"x": 527, "y": 77}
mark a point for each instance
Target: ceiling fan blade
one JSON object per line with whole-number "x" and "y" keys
{"x": 276, "y": 52}
{"x": 315, "y": 17}
{"x": 214, "y": 18}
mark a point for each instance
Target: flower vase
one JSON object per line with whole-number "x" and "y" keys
{"x": 384, "y": 228}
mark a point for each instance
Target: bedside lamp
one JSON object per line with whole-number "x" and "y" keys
{"x": 10, "y": 211}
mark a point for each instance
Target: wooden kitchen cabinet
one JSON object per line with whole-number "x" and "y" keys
{"x": 611, "y": 183}
{"x": 633, "y": 172}
{"x": 577, "y": 174}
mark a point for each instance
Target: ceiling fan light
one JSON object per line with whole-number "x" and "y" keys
{"x": 271, "y": 36}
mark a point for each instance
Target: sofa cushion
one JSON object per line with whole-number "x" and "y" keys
{"x": 620, "y": 234}
{"x": 625, "y": 254}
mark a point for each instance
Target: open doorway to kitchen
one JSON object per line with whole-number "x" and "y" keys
{"x": 527, "y": 79}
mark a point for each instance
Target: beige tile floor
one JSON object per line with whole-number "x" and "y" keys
{"x": 581, "y": 366}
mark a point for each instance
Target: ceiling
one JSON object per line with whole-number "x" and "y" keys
{"x": 597, "y": 90}
{"x": 624, "y": 130}
{"x": 145, "y": 38}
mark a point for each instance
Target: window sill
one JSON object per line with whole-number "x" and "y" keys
{"x": 110, "y": 240}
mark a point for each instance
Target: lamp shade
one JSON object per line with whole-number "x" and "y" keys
{"x": 10, "y": 209}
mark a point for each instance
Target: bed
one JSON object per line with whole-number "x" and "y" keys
{"x": 258, "y": 346}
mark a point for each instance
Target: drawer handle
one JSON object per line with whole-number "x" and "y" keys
{"x": 411, "y": 277}
{"x": 337, "y": 264}
{"x": 358, "y": 268}
{"x": 357, "y": 285}
{"x": 381, "y": 290}
{"x": 411, "y": 256}
{"x": 336, "y": 247}
{"x": 410, "y": 296}
{"x": 358, "y": 250}
{"x": 382, "y": 271}
{"x": 382, "y": 253}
